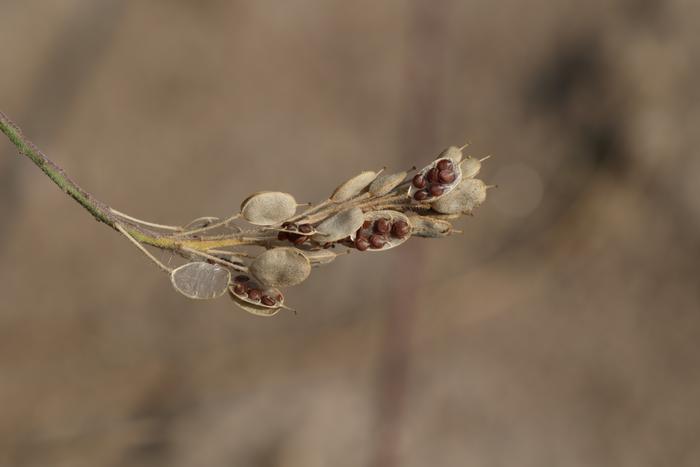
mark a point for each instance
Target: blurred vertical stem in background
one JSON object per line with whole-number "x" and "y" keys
{"x": 425, "y": 60}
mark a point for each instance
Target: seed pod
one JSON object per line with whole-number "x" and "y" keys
{"x": 470, "y": 193}
{"x": 268, "y": 207}
{"x": 200, "y": 280}
{"x": 339, "y": 226}
{"x": 470, "y": 167}
{"x": 259, "y": 309}
{"x": 353, "y": 187}
{"x": 387, "y": 241}
{"x": 281, "y": 267}
{"x": 320, "y": 257}
{"x": 439, "y": 178}
{"x": 453, "y": 152}
{"x": 385, "y": 183}
{"x": 429, "y": 227}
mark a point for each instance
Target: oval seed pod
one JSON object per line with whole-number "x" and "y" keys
{"x": 257, "y": 309}
{"x": 470, "y": 167}
{"x": 268, "y": 207}
{"x": 383, "y": 184}
{"x": 200, "y": 280}
{"x": 392, "y": 237}
{"x": 339, "y": 226}
{"x": 281, "y": 267}
{"x": 429, "y": 227}
{"x": 470, "y": 193}
{"x": 255, "y": 298}
{"x": 439, "y": 178}
{"x": 353, "y": 187}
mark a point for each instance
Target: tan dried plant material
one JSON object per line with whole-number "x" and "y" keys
{"x": 281, "y": 267}
{"x": 353, "y": 186}
{"x": 429, "y": 227}
{"x": 268, "y": 207}
{"x": 339, "y": 226}
{"x": 469, "y": 195}
{"x": 383, "y": 184}
{"x": 470, "y": 167}
{"x": 200, "y": 280}
{"x": 255, "y": 297}
{"x": 321, "y": 257}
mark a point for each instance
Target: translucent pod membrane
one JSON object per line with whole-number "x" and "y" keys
{"x": 381, "y": 231}
{"x": 200, "y": 280}
{"x": 383, "y": 184}
{"x": 268, "y": 207}
{"x": 281, "y": 267}
{"x": 469, "y": 194}
{"x": 429, "y": 227}
{"x": 437, "y": 179}
{"x": 353, "y": 186}
{"x": 339, "y": 226}
{"x": 254, "y": 297}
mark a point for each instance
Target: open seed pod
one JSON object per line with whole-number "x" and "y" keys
{"x": 428, "y": 227}
{"x": 383, "y": 184}
{"x": 255, "y": 298}
{"x": 381, "y": 231}
{"x": 470, "y": 193}
{"x": 353, "y": 187}
{"x": 281, "y": 267}
{"x": 200, "y": 280}
{"x": 438, "y": 178}
{"x": 339, "y": 226}
{"x": 268, "y": 207}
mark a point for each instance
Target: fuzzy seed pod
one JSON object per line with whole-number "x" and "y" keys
{"x": 385, "y": 183}
{"x": 470, "y": 193}
{"x": 387, "y": 239}
{"x": 439, "y": 178}
{"x": 200, "y": 280}
{"x": 268, "y": 207}
{"x": 281, "y": 267}
{"x": 453, "y": 152}
{"x": 429, "y": 227}
{"x": 339, "y": 226}
{"x": 470, "y": 167}
{"x": 353, "y": 187}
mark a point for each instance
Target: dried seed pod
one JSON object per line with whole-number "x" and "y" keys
{"x": 428, "y": 227}
{"x": 438, "y": 178}
{"x": 339, "y": 226}
{"x": 468, "y": 195}
{"x": 353, "y": 187}
{"x": 470, "y": 167}
{"x": 270, "y": 303}
{"x": 383, "y": 242}
{"x": 320, "y": 257}
{"x": 268, "y": 207}
{"x": 200, "y": 280}
{"x": 385, "y": 183}
{"x": 281, "y": 267}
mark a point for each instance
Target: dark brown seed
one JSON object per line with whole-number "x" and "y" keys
{"x": 361, "y": 243}
{"x": 444, "y": 164}
{"x": 327, "y": 245}
{"x": 366, "y": 224}
{"x": 241, "y": 278}
{"x": 254, "y": 294}
{"x": 400, "y": 229}
{"x": 437, "y": 190}
{"x": 289, "y": 226}
{"x": 420, "y": 195}
{"x": 377, "y": 241}
{"x": 446, "y": 176}
{"x": 305, "y": 228}
{"x": 382, "y": 226}
{"x": 268, "y": 301}
{"x": 282, "y": 236}
{"x": 239, "y": 289}
{"x": 279, "y": 297}
{"x": 433, "y": 175}
{"x": 419, "y": 181}
{"x": 299, "y": 239}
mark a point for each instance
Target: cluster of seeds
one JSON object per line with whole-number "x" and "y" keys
{"x": 434, "y": 182}
{"x": 296, "y": 234}
{"x": 377, "y": 233}
{"x": 245, "y": 288}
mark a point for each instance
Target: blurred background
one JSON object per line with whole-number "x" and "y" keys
{"x": 561, "y": 329}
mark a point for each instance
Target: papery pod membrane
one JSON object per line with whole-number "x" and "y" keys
{"x": 339, "y": 226}
{"x": 281, "y": 267}
{"x": 452, "y": 153}
{"x": 200, "y": 280}
{"x": 243, "y": 295}
{"x": 268, "y": 207}
{"x": 383, "y": 184}
{"x": 200, "y": 222}
{"x": 470, "y": 193}
{"x": 353, "y": 187}
{"x": 429, "y": 227}
{"x": 470, "y": 167}
{"x": 320, "y": 257}
{"x": 391, "y": 216}
{"x": 255, "y": 309}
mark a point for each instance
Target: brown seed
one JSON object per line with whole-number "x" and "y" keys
{"x": 282, "y": 236}
{"x": 299, "y": 239}
{"x": 327, "y": 245}
{"x": 377, "y": 241}
{"x": 433, "y": 175}
{"x": 382, "y": 226}
{"x": 254, "y": 294}
{"x": 289, "y": 226}
{"x": 268, "y": 301}
{"x": 419, "y": 181}
{"x": 444, "y": 164}
{"x": 400, "y": 229}
{"x": 366, "y": 224}
{"x": 446, "y": 176}
{"x": 420, "y": 195}
{"x": 241, "y": 278}
{"x": 239, "y": 289}
{"x": 361, "y": 243}
{"x": 305, "y": 228}
{"x": 437, "y": 190}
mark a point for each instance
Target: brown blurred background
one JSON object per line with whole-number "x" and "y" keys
{"x": 561, "y": 329}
